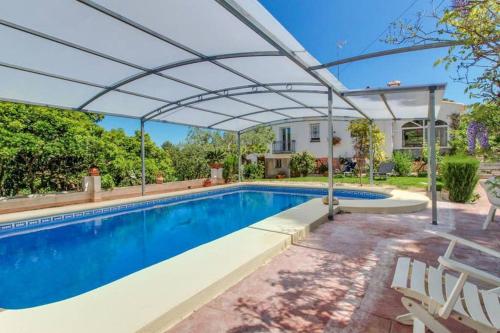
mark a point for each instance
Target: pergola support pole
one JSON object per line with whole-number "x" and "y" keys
{"x": 239, "y": 156}
{"x": 370, "y": 153}
{"x": 330, "y": 155}
{"x": 143, "y": 164}
{"x": 432, "y": 150}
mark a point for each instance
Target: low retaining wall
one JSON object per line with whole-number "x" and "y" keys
{"x": 31, "y": 202}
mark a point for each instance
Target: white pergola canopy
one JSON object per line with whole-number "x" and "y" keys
{"x": 221, "y": 64}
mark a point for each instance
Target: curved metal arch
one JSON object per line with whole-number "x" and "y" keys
{"x": 181, "y": 63}
{"x": 233, "y": 8}
{"x": 224, "y": 93}
{"x": 386, "y": 53}
{"x": 277, "y": 109}
{"x": 178, "y": 105}
{"x": 298, "y": 120}
{"x": 172, "y": 42}
{"x": 95, "y": 53}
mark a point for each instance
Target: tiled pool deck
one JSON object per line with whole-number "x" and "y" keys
{"x": 338, "y": 278}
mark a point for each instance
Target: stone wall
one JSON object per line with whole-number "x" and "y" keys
{"x": 93, "y": 193}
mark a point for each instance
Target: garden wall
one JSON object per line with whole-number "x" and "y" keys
{"x": 11, "y": 205}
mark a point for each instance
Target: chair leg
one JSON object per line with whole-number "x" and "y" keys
{"x": 489, "y": 217}
{"x": 418, "y": 326}
{"x": 405, "y": 319}
{"x": 422, "y": 318}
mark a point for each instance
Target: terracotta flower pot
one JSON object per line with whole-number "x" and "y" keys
{"x": 216, "y": 165}
{"x": 94, "y": 171}
{"x": 207, "y": 183}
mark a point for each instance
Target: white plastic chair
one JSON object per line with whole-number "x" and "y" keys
{"x": 492, "y": 195}
{"x": 431, "y": 293}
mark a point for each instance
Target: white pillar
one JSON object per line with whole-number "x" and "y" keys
{"x": 143, "y": 164}
{"x": 370, "y": 153}
{"x": 432, "y": 150}
{"x": 92, "y": 185}
{"x": 330, "y": 155}
{"x": 239, "y": 157}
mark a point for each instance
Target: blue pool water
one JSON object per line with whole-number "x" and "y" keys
{"x": 57, "y": 261}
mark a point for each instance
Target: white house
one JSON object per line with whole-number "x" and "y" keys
{"x": 311, "y": 136}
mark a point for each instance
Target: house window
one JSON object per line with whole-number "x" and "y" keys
{"x": 314, "y": 130}
{"x": 277, "y": 164}
{"x": 442, "y": 133}
{"x": 286, "y": 139}
{"x": 415, "y": 133}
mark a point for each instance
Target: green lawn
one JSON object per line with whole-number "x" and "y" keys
{"x": 400, "y": 182}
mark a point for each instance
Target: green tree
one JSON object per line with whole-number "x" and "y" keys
{"x": 191, "y": 159}
{"x": 473, "y": 24}
{"x": 360, "y": 133}
{"x": 46, "y": 149}
{"x": 257, "y": 141}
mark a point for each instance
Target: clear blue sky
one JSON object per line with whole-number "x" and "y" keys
{"x": 318, "y": 25}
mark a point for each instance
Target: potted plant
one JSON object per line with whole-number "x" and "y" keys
{"x": 215, "y": 158}
{"x": 94, "y": 171}
{"x": 281, "y": 175}
{"x": 159, "y": 178}
{"x": 336, "y": 140}
{"x": 207, "y": 182}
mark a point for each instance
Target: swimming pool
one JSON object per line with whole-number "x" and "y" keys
{"x": 64, "y": 256}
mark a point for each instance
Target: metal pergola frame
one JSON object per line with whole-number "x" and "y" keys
{"x": 323, "y": 86}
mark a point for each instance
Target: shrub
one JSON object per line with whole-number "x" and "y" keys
{"x": 230, "y": 171}
{"x": 254, "y": 170}
{"x": 460, "y": 176}
{"x": 302, "y": 163}
{"x": 322, "y": 169}
{"x": 403, "y": 162}
{"x": 107, "y": 182}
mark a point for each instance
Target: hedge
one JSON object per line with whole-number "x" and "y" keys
{"x": 460, "y": 176}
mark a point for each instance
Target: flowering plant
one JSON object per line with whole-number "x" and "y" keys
{"x": 479, "y": 131}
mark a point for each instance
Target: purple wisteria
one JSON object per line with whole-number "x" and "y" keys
{"x": 479, "y": 131}
{"x": 462, "y": 5}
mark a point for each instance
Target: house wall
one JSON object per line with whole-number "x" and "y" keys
{"x": 300, "y": 132}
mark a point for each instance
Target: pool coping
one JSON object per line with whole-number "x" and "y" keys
{"x": 145, "y": 300}
{"x": 35, "y": 218}
{"x": 399, "y": 201}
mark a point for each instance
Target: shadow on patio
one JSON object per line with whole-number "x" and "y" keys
{"x": 338, "y": 279}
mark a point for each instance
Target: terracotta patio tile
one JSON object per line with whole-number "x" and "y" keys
{"x": 338, "y": 279}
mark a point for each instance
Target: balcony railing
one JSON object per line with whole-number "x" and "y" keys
{"x": 283, "y": 147}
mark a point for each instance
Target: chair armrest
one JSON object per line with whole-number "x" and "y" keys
{"x": 466, "y": 242}
{"x": 471, "y": 271}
